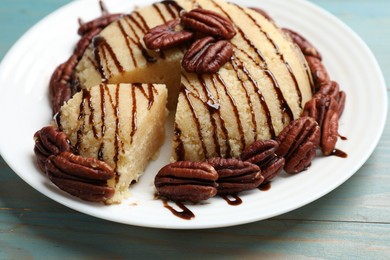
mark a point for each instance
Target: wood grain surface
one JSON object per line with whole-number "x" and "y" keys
{"x": 351, "y": 222}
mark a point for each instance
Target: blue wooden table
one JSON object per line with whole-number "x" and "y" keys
{"x": 353, "y": 221}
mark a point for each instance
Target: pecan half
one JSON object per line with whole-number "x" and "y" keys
{"x": 262, "y": 153}
{"x": 263, "y": 13}
{"x": 167, "y": 35}
{"x": 84, "y": 42}
{"x": 324, "y": 109}
{"x": 235, "y": 175}
{"x": 60, "y": 86}
{"x": 207, "y": 55}
{"x": 318, "y": 70}
{"x": 331, "y": 88}
{"x": 208, "y": 22}
{"x": 62, "y": 83}
{"x": 49, "y": 141}
{"x": 187, "y": 181}
{"x": 306, "y": 47}
{"x": 341, "y": 101}
{"x": 100, "y": 22}
{"x": 83, "y": 177}
{"x": 297, "y": 144}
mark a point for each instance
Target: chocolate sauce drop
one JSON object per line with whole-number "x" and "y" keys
{"x": 170, "y": 5}
{"x": 103, "y": 8}
{"x": 184, "y": 214}
{"x": 342, "y": 137}
{"x": 179, "y": 150}
{"x": 339, "y": 153}
{"x": 232, "y": 200}
{"x": 265, "y": 186}
{"x": 100, "y": 153}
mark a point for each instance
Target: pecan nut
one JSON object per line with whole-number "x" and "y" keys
{"x": 318, "y": 70}
{"x": 324, "y": 109}
{"x": 84, "y": 177}
{"x": 306, "y": 47}
{"x": 167, "y": 35}
{"x": 85, "y": 41}
{"x": 235, "y": 175}
{"x": 341, "y": 101}
{"x": 332, "y": 89}
{"x": 60, "y": 87}
{"x": 100, "y": 22}
{"x": 187, "y": 181}
{"x": 63, "y": 83}
{"x": 207, "y": 55}
{"x": 297, "y": 144}
{"x": 84, "y": 191}
{"x": 49, "y": 141}
{"x": 208, "y": 22}
{"x": 262, "y": 153}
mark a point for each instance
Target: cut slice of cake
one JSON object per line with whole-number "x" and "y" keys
{"x": 121, "y": 124}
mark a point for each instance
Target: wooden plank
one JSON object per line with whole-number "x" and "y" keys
{"x": 63, "y": 235}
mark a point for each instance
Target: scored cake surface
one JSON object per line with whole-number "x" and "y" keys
{"x": 259, "y": 91}
{"x": 121, "y": 124}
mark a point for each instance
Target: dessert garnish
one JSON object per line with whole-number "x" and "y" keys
{"x": 207, "y": 55}
{"x": 208, "y": 22}
{"x": 206, "y": 38}
{"x": 49, "y": 141}
{"x": 187, "y": 181}
{"x": 209, "y": 52}
{"x": 80, "y": 176}
{"x": 168, "y": 35}
{"x": 235, "y": 176}
{"x": 298, "y": 143}
{"x": 263, "y": 154}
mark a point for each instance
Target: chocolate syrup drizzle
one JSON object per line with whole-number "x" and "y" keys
{"x": 101, "y": 47}
{"x": 233, "y": 200}
{"x": 277, "y": 51}
{"x": 283, "y": 103}
{"x": 184, "y": 214}
{"x": 110, "y": 100}
{"x": 265, "y": 186}
{"x": 128, "y": 26}
{"x": 248, "y": 83}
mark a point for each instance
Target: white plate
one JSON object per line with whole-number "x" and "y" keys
{"x": 24, "y": 108}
